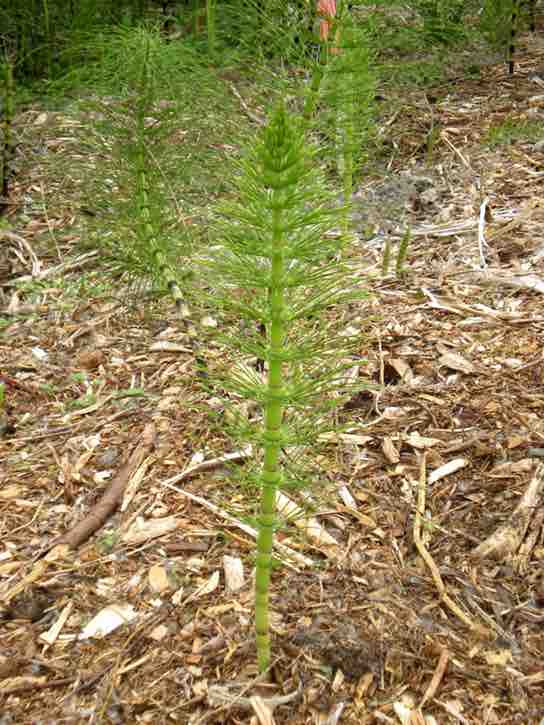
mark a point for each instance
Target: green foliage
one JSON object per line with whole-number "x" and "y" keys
{"x": 402, "y": 252}
{"x": 442, "y": 20}
{"x": 396, "y": 46}
{"x": 495, "y": 22}
{"x": 502, "y": 20}
{"x": 7, "y": 113}
{"x": 84, "y": 402}
{"x": 39, "y": 32}
{"x": 271, "y": 29}
{"x": 513, "y": 129}
{"x": 276, "y": 265}
{"x": 106, "y": 543}
{"x": 345, "y": 120}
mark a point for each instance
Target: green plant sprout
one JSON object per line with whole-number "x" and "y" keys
{"x": 386, "y": 258}
{"x": 277, "y": 265}
{"x": 512, "y": 129}
{"x": 402, "y": 253}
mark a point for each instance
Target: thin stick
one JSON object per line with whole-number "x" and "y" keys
{"x": 481, "y": 233}
{"x": 429, "y": 561}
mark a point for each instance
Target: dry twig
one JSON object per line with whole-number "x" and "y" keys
{"x": 429, "y": 561}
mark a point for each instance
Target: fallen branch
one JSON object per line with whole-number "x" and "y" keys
{"x": 439, "y": 671}
{"x": 103, "y": 509}
{"x": 24, "y": 684}
{"x": 111, "y": 499}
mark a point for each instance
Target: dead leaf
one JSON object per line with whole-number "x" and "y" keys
{"x": 389, "y": 450}
{"x": 402, "y": 369}
{"x": 158, "y": 579}
{"x": 159, "y": 632}
{"x": 144, "y": 530}
{"x": 108, "y": 620}
{"x": 209, "y": 586}
{"x": 456, "y": 362}
{"x": 91, "y": 359}
{"x": 420, "y": 442}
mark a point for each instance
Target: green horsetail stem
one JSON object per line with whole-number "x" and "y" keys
{"x": 386, "y": 258}
{"x": 48, "y": 37}
{"x": 278, "y": 265}
{"x": 271, "y": 475}
{"x": 403, "y": 252}
{"x": 211, "y": 26}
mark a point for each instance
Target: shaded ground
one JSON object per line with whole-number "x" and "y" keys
{"x": 402, "y": 611}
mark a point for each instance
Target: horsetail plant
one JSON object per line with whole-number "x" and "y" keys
{"x": 278, "y": 265}
{"x": 348, "y": 101}
{"x": 135, "y": 121}
{"x": 148, "y": 237}
{"x": 340, "y": 98}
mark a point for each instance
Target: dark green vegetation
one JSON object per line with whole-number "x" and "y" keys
{"x": 513, "y": 129}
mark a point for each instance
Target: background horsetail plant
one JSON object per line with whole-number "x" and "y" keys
{"x": 136, "y": 122}
{"x": 339, "y": 103}
{"x": 347, "y": 95}
{"x": 278, "y": 265}
{"x": 149, "y": 240}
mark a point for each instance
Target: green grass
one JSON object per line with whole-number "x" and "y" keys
{"x": 512, "y": 130}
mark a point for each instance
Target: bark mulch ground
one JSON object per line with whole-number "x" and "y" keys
{"x": 425, "y": 601}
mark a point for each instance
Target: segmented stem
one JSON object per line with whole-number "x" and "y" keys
{"x": 271, "y": 476}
